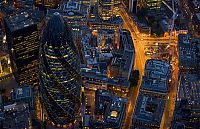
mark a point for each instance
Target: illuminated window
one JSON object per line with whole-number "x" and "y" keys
{"x": 114, "y": 113}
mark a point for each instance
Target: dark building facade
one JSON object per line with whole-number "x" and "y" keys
{"x": 131, "y": 5}
{"x": 60, "y": 73}
{"x": 47, "y": 3}
{"x": 23, "y": 44}
{"x": 105, "y": 9}
{"x": 134, "y": 7}
{"x": 187, "y": 111}
{"x": 153, "y": 6}
{"x": 187, "y": 53}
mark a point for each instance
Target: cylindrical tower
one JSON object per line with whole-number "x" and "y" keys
{"x": 59, "y": 73}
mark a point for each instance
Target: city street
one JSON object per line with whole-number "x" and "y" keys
{"x": 139, "y": 64}
{"x": 140, "y": 59}
{"x": 100, "y": 64}
{"x": 171, "y": 97}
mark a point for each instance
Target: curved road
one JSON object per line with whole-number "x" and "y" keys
{"x": 140, "y": 59}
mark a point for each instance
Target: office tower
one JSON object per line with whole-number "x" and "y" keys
{"x": 105, "y": 9}
{"x": 153, "y": 6}
{"x": 186, "y": 51}
{"x": 131, "y": 5}
{"x": 187, "y": 111}
{"x": 47, "y": 3}
{"x": 59, "y": 73}
{"x": 2, "y": 34}
{"x": 117, "y": 4}
{"x": 23, "y": 45}
{"x": 133, "y": 8}
{"x": 123, "y": 60}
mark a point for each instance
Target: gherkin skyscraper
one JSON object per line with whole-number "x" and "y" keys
{"x": 60, "y": 80}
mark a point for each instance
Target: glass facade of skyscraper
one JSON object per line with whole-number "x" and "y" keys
{"x": 59, "y": 73}
{"x": 153, "y": 5}
{"x": 23, "y": 44}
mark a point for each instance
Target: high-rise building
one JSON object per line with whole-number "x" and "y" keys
{"x": 23, "y": 44}
{"x": 131, "y": 5}
{"x": 60, "y": 73}
{"x": 117, "y": 4}
{"x": 133, "y": 8}
{"x": 105, "y": 9}
{"x": 153, "y": 6}
{"x": 187, "y": 111}
{"x": 47, "y": 3}
{"x": 2, "y": 33}
{"x": 123, "y": 59}
{"x": 186, "y": 51}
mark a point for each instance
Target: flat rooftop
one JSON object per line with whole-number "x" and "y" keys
{"x": 189, "y": 88}
{"x": 106, "y": 31}
{"x": 122, "y": 82}
{"x": 198, "y": 16}
{"x": 149, "y": 109}
{"x": 18, "y": 21}
{"x": 111, "y": 107}
{"x": 116, "y": 111}
{"x": 129, "y": 57}
{"x": 16, "y": 116}
{"x": 97, "y": 71}
{"x": 156, "y": 76}
{"x": 123, "y": 61}
{"x": 118, "y": 62}
{"x": 22, "y": 92}
{"x": 115, "y": 20}
{"x": 187, "y": 51}
{"x": 184, "y": 40}
{"x": 128, "y": 42}
{"x": 102, "y": 98}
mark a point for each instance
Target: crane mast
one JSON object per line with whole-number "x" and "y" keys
{"x": 171, "y": 27}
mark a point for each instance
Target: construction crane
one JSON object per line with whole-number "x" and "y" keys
{"x": 171, "y": 27}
